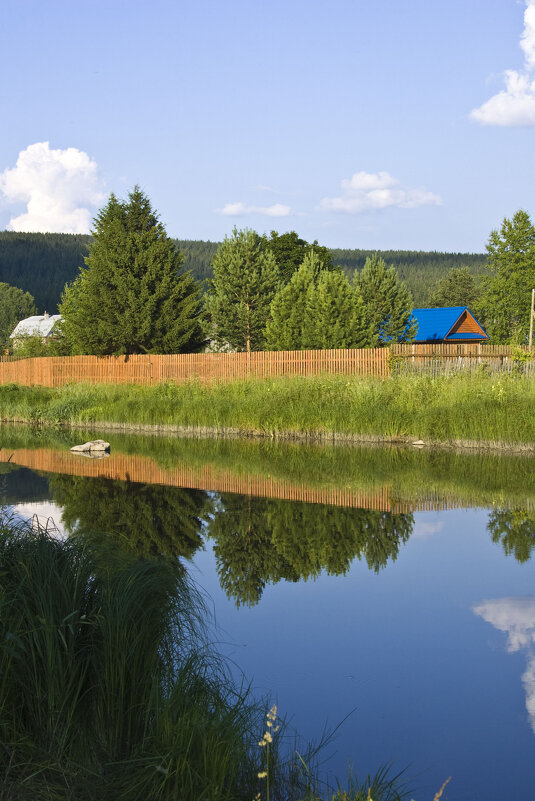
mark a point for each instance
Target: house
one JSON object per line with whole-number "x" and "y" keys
{"x": 449, "y": 324}
{"x": 40, "y": 325}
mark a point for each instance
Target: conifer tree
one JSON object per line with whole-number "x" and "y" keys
{"x": 245, "y": 281}
{"x": 334, "y": 314}
{"x": 131, "y": 296}
{"x": 387, "y": 303}
{"x": 511, "y": 262}
{"x": 284, "y": 330}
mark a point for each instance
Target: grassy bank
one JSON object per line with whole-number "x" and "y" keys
{"x": 442, "y": 409}
{"x": 109, "y": 688}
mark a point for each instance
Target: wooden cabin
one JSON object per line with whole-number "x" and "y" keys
{"x": 448, "y": 324}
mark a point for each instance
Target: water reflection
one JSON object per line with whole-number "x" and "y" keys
{"x": 256, "y": 541}
{"x": 516, "y": 617}
{"x": 259, "y": 541}
{"x": 146, "y": 519}
{"x": 515, "y": 530}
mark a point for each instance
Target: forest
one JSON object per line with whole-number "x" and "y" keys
{"x": 42, "y": 264}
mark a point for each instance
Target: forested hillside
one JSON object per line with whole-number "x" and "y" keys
{"x": 43, "y": 263}
{"x": 198, "y": 256}
{"x": 419, "y": 269}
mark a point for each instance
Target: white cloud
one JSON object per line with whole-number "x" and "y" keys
{"x": 61, "y": 189}
{"x": 516, "y": 617}
{"x": 515, "y": 105}
{"x": 527, "y": 40}
{"x": 240, "y": 210}
{"x": 366, "y": 191}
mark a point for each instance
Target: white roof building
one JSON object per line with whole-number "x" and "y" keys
{"x": 40, "y": 325}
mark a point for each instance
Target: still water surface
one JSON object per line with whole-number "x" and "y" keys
{"x": 404, "y": 592}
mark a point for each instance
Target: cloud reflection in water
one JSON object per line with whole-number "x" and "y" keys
{"x": 516, "y": 617}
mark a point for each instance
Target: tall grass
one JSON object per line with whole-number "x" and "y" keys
{"x": 109, "y": 690}
{"x": 443, "y": 408}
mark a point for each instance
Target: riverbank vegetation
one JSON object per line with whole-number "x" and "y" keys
{"x": 494, "y": 409}
{"x": 110, "y": 689}
{"x": 471, "y": 477}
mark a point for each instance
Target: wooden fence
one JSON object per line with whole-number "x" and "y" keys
{"x": 59, "y": 370}
{"x": 451, "y": 357}
{"x": 150, "y": 369}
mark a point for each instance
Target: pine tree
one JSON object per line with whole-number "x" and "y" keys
{"x": 284, "y": 330}
{"x": 334, "y": 314}
{"x": 511, "y": 262}
{"x": 131, "y": 297}
{"x": 387, "y": 303}
{"x": 245, "y": 281}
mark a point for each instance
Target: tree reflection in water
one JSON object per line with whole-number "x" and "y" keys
{"x": 147, "y": 519}
{"x": 515, "y": 530}
{"x": 259, "y": 541}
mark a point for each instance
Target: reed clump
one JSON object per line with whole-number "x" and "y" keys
{"x": 110, "y": 691}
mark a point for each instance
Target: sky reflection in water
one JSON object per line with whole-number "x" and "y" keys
{"x": 406, "y": 644}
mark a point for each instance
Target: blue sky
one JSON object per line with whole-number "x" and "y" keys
{"x": 388, "y": 124}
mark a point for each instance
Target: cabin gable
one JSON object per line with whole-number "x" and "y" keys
{"x": 466, "y": 324}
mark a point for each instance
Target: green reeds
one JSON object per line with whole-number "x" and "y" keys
{"x": 492, "y": 408}
{"x": 108, "y": 688}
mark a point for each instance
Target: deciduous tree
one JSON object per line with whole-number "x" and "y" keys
{"x": 290, "y": 250}
{"x": 457, "y": 288}
{"x": 15, "y": 305}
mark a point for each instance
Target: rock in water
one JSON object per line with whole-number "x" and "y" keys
{"x": 95, "y": 445}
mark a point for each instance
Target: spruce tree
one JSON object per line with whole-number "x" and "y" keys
{"x": 131, "y": 296}
{"x": 334, "y": 314}
{"x": 387, "y": 303}
{"x": 284, "y": 330}
{"x": 245, "y": 281}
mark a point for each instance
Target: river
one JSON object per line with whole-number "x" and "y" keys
{"x": 389, "y": 590}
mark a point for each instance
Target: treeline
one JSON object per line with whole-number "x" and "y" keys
{"x": 421, "y": 270}
{"x": 42, "y": 264}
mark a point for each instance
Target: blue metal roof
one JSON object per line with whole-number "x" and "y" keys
{"x": 434, "y": 324}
